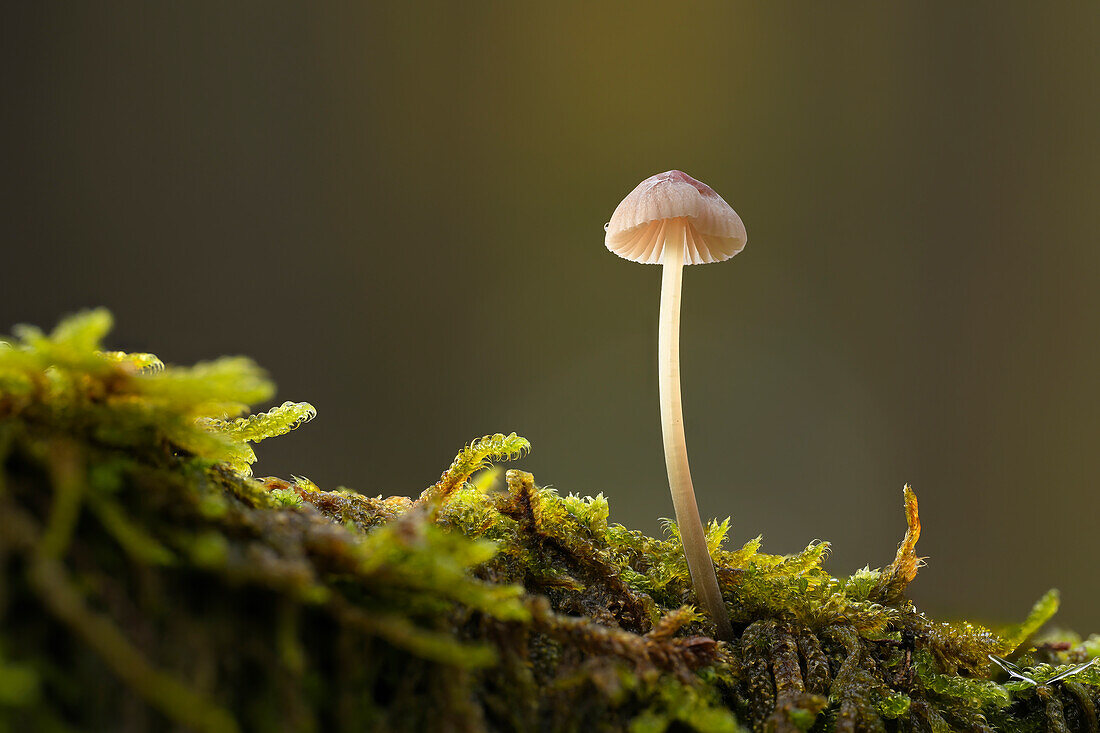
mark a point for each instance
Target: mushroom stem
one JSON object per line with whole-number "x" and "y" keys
{"x": 699, "y": 562}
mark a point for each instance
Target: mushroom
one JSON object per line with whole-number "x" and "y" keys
{"x": 671, "y": 219}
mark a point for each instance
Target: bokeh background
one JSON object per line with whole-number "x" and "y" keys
{"x": 398, "y": 209}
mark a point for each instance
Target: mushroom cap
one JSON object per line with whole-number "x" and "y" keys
{"x": 674, "y": 208}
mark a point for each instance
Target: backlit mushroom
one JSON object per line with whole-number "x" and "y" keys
{"x": 674, "y": 220}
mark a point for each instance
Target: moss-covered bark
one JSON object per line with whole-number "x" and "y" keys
{"x": 148, "y": 582}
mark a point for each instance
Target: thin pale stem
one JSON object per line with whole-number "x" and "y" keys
{"x": 698, "y": 557}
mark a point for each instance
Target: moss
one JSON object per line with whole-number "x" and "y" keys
{"x": 147, "y": 580}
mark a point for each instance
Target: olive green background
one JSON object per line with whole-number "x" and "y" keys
{"x": 398, "y": 209}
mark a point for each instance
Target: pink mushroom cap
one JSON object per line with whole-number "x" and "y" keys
{"x": 670, "y": 209}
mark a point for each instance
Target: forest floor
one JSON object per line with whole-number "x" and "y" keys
{"x": 148, "y": 581}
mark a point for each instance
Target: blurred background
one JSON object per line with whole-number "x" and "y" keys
{"x": 397, "y": 209}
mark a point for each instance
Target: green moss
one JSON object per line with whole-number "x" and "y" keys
{"x": 148, "y": 581}
{"x": 1043, "y": 610}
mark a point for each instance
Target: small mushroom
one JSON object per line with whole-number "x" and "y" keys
{"x": 671, "y": 219}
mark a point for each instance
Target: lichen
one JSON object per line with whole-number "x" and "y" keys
{"x": 147, "y": 580}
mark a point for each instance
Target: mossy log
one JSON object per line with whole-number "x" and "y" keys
{"x": 149, "y": 582}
